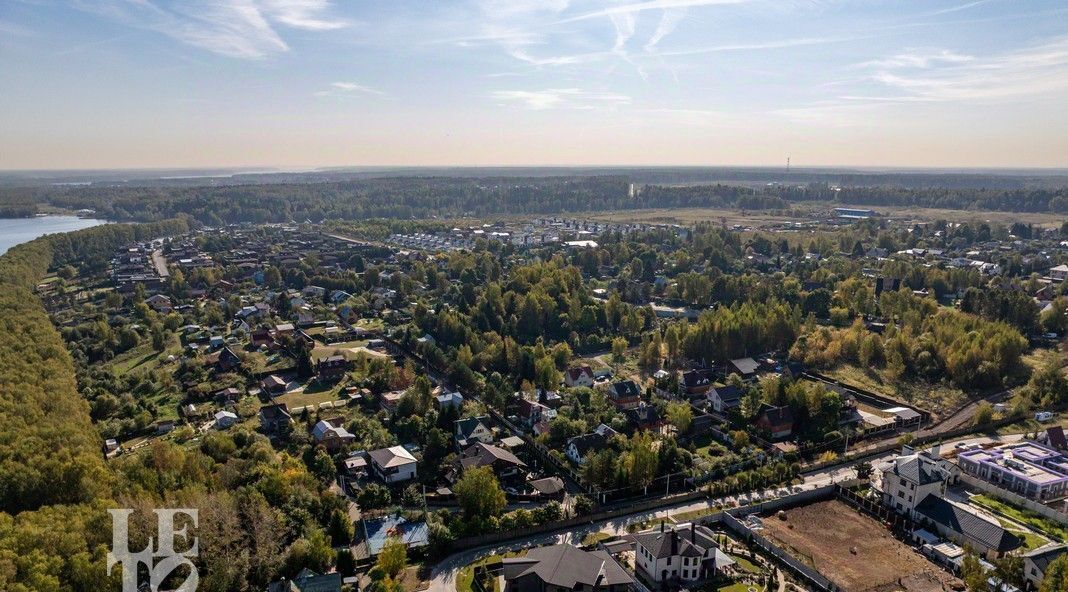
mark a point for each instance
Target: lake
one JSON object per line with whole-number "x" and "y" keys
{"x": 14, "y": 231}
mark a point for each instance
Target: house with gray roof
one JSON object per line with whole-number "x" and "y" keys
{"x": 561, "y": 568}
{"x": 914, "y": 484}
{"x": 1037, "y": 561}
{"x": 504, "y": 464}
{"x": 683, "y": 553}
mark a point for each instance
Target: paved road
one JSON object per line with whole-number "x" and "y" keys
{"x": 443, "y": 576}
{"x": 963, "y": 416}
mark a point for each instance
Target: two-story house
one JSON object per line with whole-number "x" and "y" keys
{"x": 683, "y": 553}
{"x": 624, "y": 394}
{"x": 394, "y": 464}
{"x": 473, "y": 429}
{"x": 579, "y": 376}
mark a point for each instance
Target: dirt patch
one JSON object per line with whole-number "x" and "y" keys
{"x": 825, "y": 536}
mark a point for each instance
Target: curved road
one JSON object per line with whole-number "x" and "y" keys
{"x": 443, "y": 575}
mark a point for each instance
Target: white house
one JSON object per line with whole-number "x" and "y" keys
{"x": 225, "y": 419}
{"x": 393, "y": 464}
{"x": 911, "y": 477}
{"x": 914, "y": 484}
{"x": 1059, "y": 273}
{"x": 473, "y": 429}
{"x": 682, "y": 553}
{"x": 579, "y": 376}
{"x": 1037, "y": 561}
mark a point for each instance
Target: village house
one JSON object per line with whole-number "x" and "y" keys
{"x": 744, "y": 367}
{"x": 473, "y": 429}
{"x": 696, "y": 383}
{"x": 159, "y": 303}
{"x": 332, "y": 434}
{"x": 273, "y": 385}
{"x": 331, "y": 368}
{"x": 225, "y": 419}
{"x": 778, "y": 422}
{"x": 578, "y": 447}
{"x": 275, "y": 419}
{"x": 579, "y": 376}
{"x": 624, "y": 394}
{"x": 308, "y": 581}
{"x": 564, "y": 567}
{"x": 1036, "y": 562}
{"x": 227, "y": 360}
{"x": 504, "y": 464}
{"x": 683, "y": 553}
{"x": 914, "y": 485}
{"x": 394, "y": 464}
{"x": 724, "y": 398}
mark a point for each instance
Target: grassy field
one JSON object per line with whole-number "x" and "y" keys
{"x": 938, "y": 398}
{"x": 312, "y": 396}
{"x": 806, "y": 210}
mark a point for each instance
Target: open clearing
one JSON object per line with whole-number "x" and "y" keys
{"x": 760, "y": 219}
{"x": 823, "y": 535}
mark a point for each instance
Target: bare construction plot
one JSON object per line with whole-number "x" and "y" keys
{"x": 853, "y": 550}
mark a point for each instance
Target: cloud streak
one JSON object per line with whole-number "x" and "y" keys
{"x": 236, "y": 28}
{"x": 348, "y": 89}
{"x": 559, "y": 98}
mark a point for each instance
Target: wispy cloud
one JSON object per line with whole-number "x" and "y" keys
{"x": 944, "y": 76}
{"x": 918, "y": 58}
{"x": 310, "y": 15}
{"x": 775, "y": 44}
{"x": 348, "y": 89}
{"x": 669, "y": 20}
{"x": 559, "y": 98}
{"x": 633, "y": 7}
{"x": 1031, "y": 71}
{"x": 235, "y": 28}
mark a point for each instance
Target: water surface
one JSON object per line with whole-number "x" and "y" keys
{"x": 14, "y": 231}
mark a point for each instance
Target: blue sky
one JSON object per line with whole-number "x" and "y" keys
{"x": 304, "y": 83}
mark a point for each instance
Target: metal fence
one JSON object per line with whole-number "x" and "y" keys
{"x": 807, "y": 572}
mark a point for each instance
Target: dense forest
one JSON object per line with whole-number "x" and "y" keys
{"x": 422, "y": 197}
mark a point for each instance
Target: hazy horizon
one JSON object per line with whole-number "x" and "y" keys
{"x": 316, "y": 84}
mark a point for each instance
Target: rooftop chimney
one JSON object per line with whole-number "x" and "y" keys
{"x": 661, "y": 526}
{"x": 693, "y": 532}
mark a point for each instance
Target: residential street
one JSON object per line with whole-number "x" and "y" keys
{"x": 444, "y": 574}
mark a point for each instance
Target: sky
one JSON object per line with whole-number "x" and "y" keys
{"x": 316, "y": 83}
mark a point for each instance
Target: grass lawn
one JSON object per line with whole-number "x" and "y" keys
{"x": 309, "y": 397}
{"x": 747, "y": 565}
{"x": 595, "y": 537}
{"x": 693, "y": 514}
{"x": 739, "y": 587}
{"x": 466, "y": 576}
{"x": 1023, "y": 516}
{"x": 143, "y": 357}
{"x": 349, "y": 349}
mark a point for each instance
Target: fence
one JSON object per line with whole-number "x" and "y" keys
{"x": 1014, "y": 499}
{"x": 807, "y": 572}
